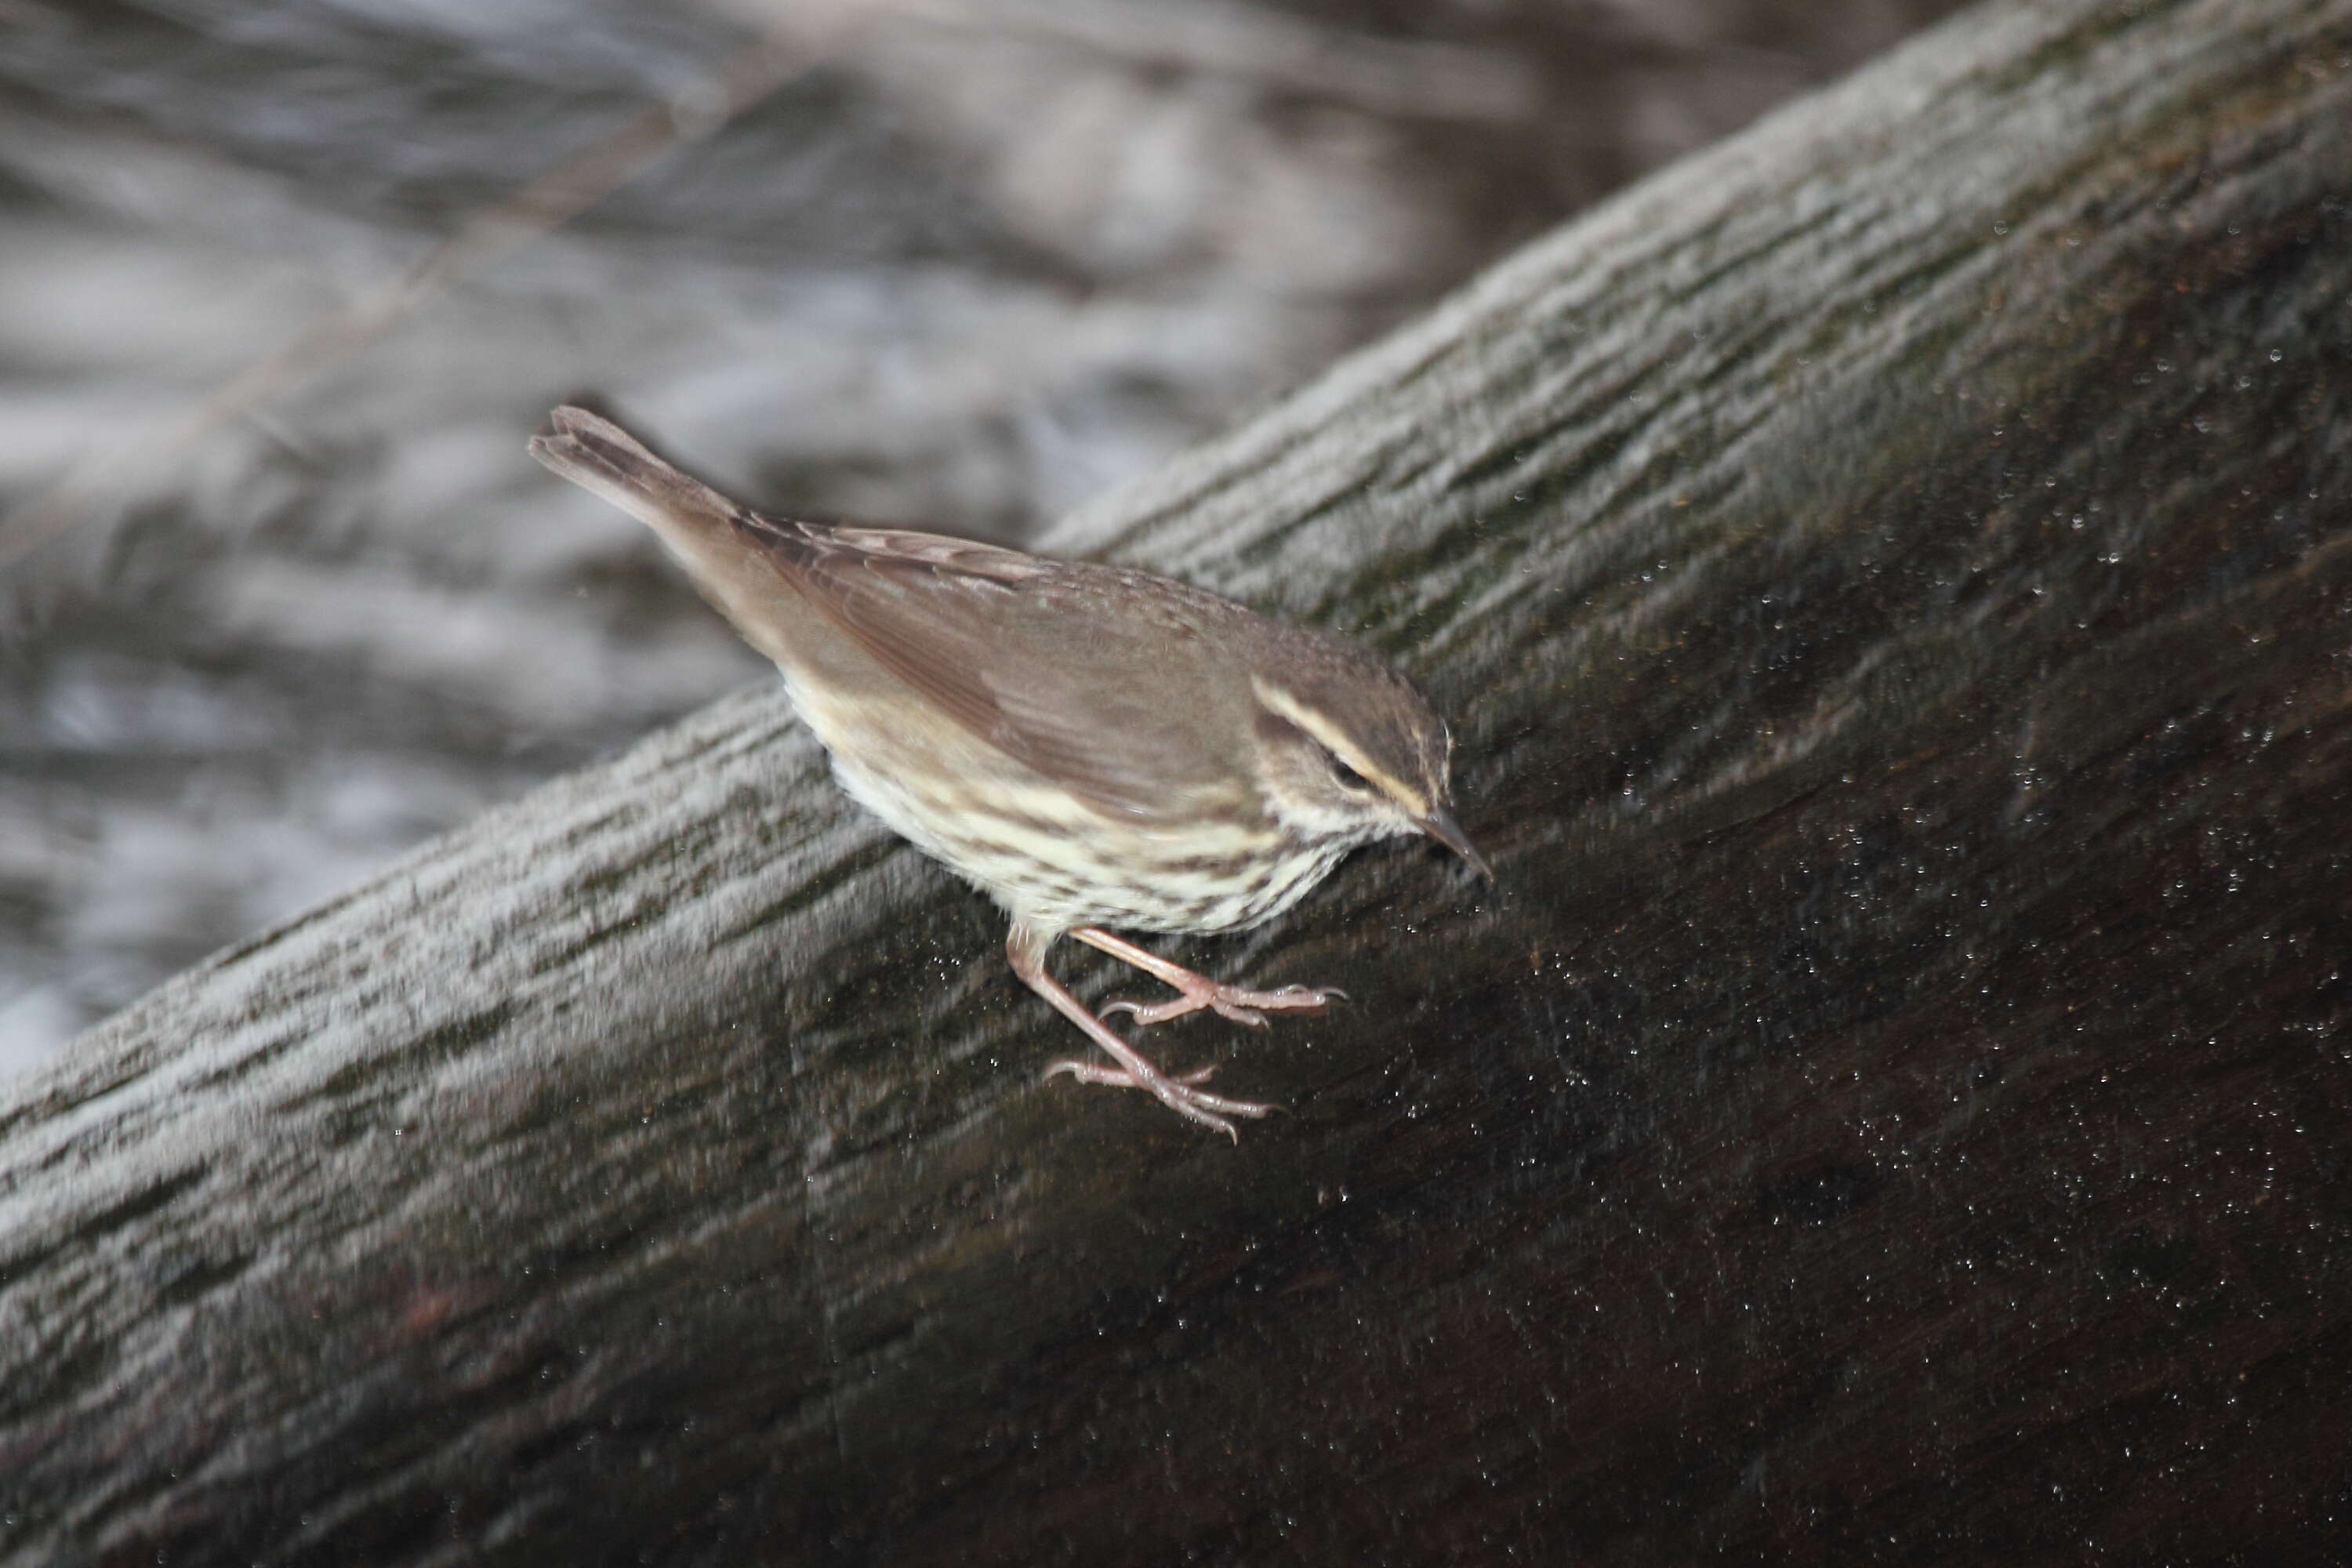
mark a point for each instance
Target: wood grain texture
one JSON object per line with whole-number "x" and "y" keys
{"x": 1893, "y": 577}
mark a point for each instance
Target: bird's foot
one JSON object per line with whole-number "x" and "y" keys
{"x": 1194, "y": 992}
{"x": 1179, "y": 1091}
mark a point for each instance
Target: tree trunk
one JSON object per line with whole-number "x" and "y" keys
{"x": 1892, "y": 578}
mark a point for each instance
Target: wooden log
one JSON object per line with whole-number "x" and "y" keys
{"x": 1893, "y": 577}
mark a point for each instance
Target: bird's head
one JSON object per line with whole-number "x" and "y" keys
{"x": 1356, "y": 753}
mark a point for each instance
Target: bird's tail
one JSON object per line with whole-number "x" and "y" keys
{"x": 599, "y": 456}
{"x": 718, "y": 542}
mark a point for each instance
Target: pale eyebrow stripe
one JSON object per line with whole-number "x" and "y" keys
{"x": 1277, "y": 701}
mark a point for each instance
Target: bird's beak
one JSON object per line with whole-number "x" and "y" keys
{"x": 1440, "y": 825}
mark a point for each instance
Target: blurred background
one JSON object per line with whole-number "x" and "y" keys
{"x": 283, "y": 287}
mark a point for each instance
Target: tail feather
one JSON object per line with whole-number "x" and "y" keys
{"x": 599, "y": 456}
{"x": 709, "y": 534}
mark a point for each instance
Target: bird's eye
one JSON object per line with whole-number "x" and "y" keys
{"x": 1347, "y": 777}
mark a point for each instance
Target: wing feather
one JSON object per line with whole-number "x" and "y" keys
{"x": 1039, "y": 659}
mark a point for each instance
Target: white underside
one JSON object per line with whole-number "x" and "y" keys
{"x": 1052, "y": 862}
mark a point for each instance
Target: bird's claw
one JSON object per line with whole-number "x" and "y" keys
{"x": 1234, "y": 1002}
{"x": 1120, "y": 1078}
{"x": 1178, "y": 1091}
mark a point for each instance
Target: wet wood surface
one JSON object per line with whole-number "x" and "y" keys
{"x": 1892, "y": 578}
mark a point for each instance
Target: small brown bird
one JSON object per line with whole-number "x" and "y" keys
{"x": 1091, "y": 745}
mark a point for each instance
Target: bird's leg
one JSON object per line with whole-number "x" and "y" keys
{"x": 1026, "y": 946}
{"x": 1198, "y": 991}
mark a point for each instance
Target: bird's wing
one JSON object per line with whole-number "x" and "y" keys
{"x": 1042, "y": 660}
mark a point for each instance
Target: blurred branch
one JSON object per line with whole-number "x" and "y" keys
{"x": 111, "y": 479}
{"x": 1284, "y": 53}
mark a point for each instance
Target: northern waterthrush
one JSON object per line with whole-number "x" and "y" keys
{"x": 1092, "y": 745}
